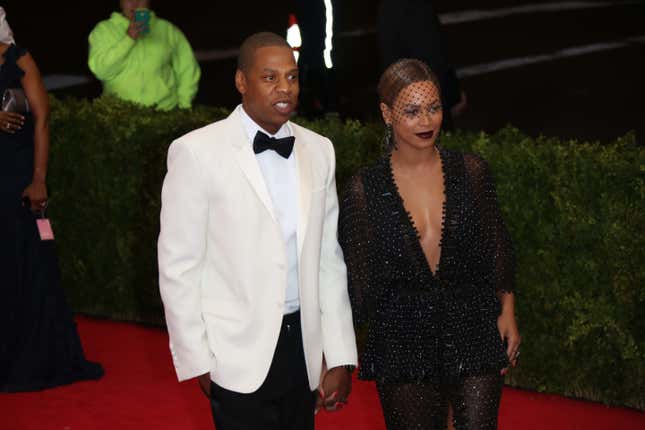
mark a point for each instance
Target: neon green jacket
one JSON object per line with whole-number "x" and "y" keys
{"x": 158, "y": 69}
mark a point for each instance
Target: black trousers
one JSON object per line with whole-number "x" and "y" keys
{"x": 283, "y": 401}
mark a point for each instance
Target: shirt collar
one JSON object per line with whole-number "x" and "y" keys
{"x": 251, "y": 127}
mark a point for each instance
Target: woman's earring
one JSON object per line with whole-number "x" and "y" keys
{"x": 388, "y": 140}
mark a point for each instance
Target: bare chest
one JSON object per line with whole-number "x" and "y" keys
{"x": 423, "y": 197}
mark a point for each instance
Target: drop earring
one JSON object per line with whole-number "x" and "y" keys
{"x": 388, "y": 139}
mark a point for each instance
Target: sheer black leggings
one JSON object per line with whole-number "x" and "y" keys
{"x": 424, "y": 406}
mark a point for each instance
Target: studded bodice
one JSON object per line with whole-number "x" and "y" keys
{"x": 422, "y": 325}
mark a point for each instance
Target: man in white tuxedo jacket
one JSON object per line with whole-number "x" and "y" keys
{"x": 250, "y": 270}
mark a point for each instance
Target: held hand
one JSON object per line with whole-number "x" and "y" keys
{"x": 10, "y": 122}
{"x": 507, "y": 327}
{"x": 135, "y": 29}
{"x": 37, "y": 194}
{"x": 334, "y": 389}
{"x": 205, "y": 384}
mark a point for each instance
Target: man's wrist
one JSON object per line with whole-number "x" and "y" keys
{"x": 349, "y": 367}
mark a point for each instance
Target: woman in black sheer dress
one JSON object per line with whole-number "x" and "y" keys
{"x": 39, "y": 345}
{"x": 430, "y": 266}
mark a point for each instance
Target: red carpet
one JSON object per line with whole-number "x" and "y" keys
{"x": 140, "y": 392}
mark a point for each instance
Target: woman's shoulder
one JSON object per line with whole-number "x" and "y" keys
{"x": 12, "y": 52}
{"x": 471, "y": 161}
{"x": 375, "y": 170}
{"x": 473, "y": 166}
{"x": 476, "y": 166}
{"x": 367, "y": 176}
{"x": 10, "y": 67}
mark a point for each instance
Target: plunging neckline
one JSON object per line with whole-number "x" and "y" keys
{"x": 412, "y": 225}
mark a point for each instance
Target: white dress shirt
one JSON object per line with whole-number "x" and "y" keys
{"x": 280, "y": 176}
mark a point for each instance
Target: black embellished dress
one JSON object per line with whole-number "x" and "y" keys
{"x": 39, "y": 344}
{"x": 432, "y": 338}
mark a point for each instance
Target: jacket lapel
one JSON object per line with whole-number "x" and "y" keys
{"x": 304, "y": 171}
{"x": 245, "y": 158}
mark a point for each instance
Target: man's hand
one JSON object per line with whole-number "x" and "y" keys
{"x": 334, "y": 389}
{"x": 135, "y": 30}
{"x": 205, "y": 384}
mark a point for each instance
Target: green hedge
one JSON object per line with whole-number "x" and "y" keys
{"x": 575, "y": 211}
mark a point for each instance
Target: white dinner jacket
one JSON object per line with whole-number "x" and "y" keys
{"x": 222, "y": 261}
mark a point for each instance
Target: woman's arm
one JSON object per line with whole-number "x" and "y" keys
{"x": 39, "y": 104}
{"x": 507, "y": 326}
{"x": 357, "y": 242}
{"x": 501, "y": 250}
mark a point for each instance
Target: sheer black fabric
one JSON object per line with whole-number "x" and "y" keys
{"x": 424, "y": 405}
{"x": 39, "y": 345}
{"x": 429, "y": 328}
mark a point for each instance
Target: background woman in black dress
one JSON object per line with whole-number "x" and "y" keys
{"x": 39, "y": 345}
{"x": 430, "y": 266}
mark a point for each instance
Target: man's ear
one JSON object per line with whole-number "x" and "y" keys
{"x": 386, "y": 112}
{"x": 240, "y": 81}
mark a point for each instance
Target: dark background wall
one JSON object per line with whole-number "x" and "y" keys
{"x": 60, "y": 29}
{"x": 593, "y": 96}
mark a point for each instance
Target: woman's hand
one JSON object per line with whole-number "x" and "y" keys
{"x": 10, "y": 122}
{"x": 37, "y": 193}
{"x": 507, "y": 327}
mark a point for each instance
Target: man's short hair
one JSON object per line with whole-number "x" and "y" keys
{"x": 255, "y": 42}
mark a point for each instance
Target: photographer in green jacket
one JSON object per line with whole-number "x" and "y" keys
{"x": 144, "y": 59}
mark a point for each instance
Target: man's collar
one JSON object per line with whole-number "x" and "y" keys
{"x": 251, "y": 127}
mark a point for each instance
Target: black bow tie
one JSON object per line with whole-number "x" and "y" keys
{"x": 283, "y": 146}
